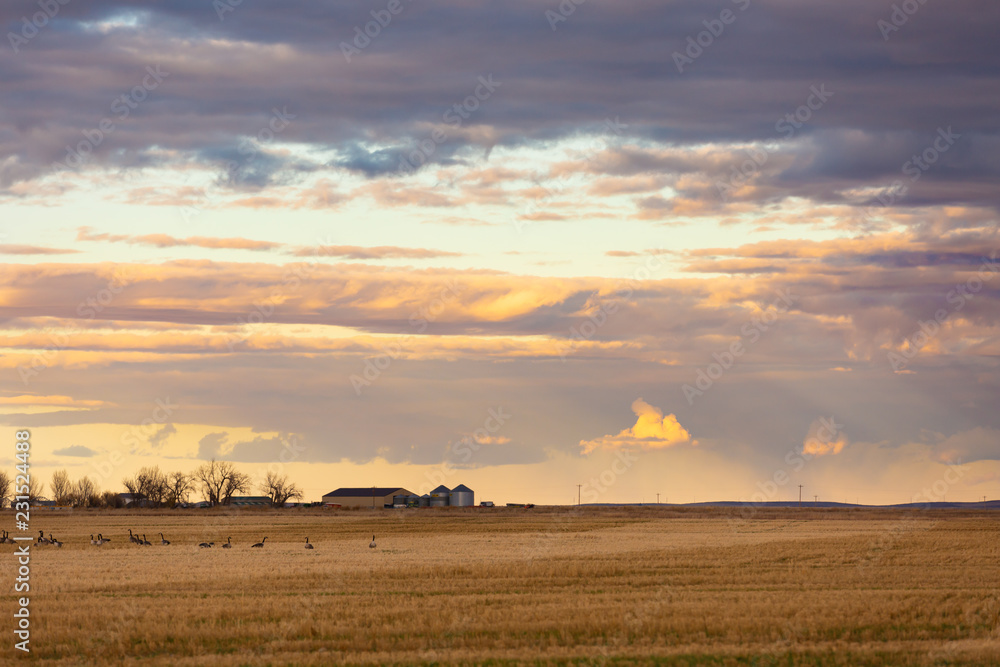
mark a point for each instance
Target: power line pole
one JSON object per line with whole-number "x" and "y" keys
{"x": 658, "y": 499}
{"x": 578, "y": 493}
{"x": 815, "y": 500}
{"x": 800, "y": 496}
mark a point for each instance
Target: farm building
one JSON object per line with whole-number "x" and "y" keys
{"x": 378, "y": 497}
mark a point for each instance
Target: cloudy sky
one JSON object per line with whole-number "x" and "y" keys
{"x": 706, "y": 250}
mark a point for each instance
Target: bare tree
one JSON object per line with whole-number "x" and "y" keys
{"x": 111, "y": 499}
{"x": 279, "y": 489}
{"x": 4, "y": 488}
{"x": 220, "y": 480}
{"x": 36, "y": 489}
{"x": 179, "y": 487}
{"x": 155, "y": 484}
{"x": 86, "y": 493}
{"x": 147, "y": 487}
{"x": 62, "y": 488}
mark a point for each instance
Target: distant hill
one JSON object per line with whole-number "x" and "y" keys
{"x": 988, "y": 505}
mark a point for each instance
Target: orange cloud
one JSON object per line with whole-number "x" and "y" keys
{"x": 651, "y": 431}
{"x": 378, "y": 252}
{"x": 167, "y": 241}
{"x": 15, "y": 249}
{"x": 824, "y": 439}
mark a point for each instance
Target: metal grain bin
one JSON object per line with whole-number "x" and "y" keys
{"x": 462, "y": 496}
{"x": 399, "y": 500}
{"x": 440, "y": 496}
{"x": 413, "y": 500}
{"x": 425, "y": 500}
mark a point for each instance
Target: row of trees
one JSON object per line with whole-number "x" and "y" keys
{"x": 218, "y": 482}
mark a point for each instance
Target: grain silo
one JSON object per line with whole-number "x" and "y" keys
{"x": 440, "y": 496}
{"x": 425, "y": 500}
{"x": 462, "y": 496}
{"x": 413, "y": 500}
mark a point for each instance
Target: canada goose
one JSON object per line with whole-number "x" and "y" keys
{"x": 145, "y": 542}
{"x": 132, "y": 538}
{"x": 93, "y": 541}
{"x": 206, "y": 545}
{"x": 3, "y": 539}
{"x": 41, "y": 538}
{"x": 259, "y": 544}
{"x": 372, "y": 545}
{"x": 163, "y": 540}
{"x": 101, "y": 539}
{"x": 54, "y": 541}
{"x": 228, "y": 544}
{"x": 308, "y": 546}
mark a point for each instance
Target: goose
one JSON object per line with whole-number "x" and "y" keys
{"x": 163, "y": 540}
{"x": 54, "y": 541}
{"x": 93, "y": 541}
{"x": 228, "y": 544}
{"x": 206, "y": 545}
{"x": 41, "y": 538}
{"x": 259, "y": 544}
{"x": 372, "y": 545}
{"x": 132, "y": 538}
{"x": 145, "y": 542}
{"x": 101, "y": 539}
{"x": 308, "y": 546}
{"x": 4, "y": 538}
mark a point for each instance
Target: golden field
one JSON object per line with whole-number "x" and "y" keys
{"x": 513, "y": 586}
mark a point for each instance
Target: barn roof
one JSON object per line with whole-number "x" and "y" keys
{"x": 366, "y": 491}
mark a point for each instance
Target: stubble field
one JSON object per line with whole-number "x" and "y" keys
{"x": 513, "y": 586}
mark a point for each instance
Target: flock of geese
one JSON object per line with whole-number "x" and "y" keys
{"x": 142, "y": 541}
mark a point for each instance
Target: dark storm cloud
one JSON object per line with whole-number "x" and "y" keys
{"x": 227, "y": 73}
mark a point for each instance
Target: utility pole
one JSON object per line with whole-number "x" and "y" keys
{"x": 800, "y": 496}
{"x": 373, "y": 497}
{"x": 578, "y": 493}
{"x": 658, "y": 499}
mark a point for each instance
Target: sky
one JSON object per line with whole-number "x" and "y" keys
{"x": 556, "y": 251}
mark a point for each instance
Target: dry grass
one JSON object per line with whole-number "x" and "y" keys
{"x": 601, "y": 586}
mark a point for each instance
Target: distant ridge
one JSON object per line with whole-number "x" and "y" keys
{"x": 988, "y": 505}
